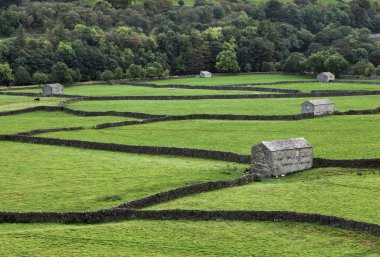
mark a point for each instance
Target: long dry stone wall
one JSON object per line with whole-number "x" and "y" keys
{"x": 129, "y": 214}
{"x": 152, "y": 150}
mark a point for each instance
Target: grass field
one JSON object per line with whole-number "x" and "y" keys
{"x": 307, "y": 87}
{"x": 184, "y": 238}
{"x": 8, "y": 103}
{"x": 331, "y": 191}
{"x": 341, "y": 137}
{"x": 41, "y": 120}
{"x": 229, "y": 80}
{"x": 52, "y": 178}
{"x": 121, "y": 90}
{"x": 278, "y": 106}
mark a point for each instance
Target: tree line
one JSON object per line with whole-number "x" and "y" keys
{"x": 67, "y": 41}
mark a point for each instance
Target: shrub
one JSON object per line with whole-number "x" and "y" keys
{"x": 107, "y": 75}
{"x": 40, "y": 78}
{"x": 22, "y": 76}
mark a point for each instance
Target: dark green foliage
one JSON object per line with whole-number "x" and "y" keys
{"x": 40, "y": 78}
{"x": 336, "y": 64}
{"x": 22, "y": 76}
{"x": 136, "y": 71}
{"x": 60, "y": 73}
{"x": 107, "y": 76}
{"x": 184, "y": 40}
{"x": 295, "y": 63}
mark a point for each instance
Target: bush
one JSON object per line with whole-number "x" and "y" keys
{"x": 378, "y": 70}
{"x": 107, "y": 75}
{"x": 22, "y": 76}
{"x": 118, "y": 73}
{"x": 6, "y": 76}
{"x": 60, "y": 73}
{"x": 268, "y": 67}
{"x": 136, "y": 72}
{"x": 40, "y": 78}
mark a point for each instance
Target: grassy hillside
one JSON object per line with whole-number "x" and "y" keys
{"x": 340, "y": 137}
{"x": 330, "y": 191}
{"x": 51, "y": 178}
{"x": 184, "y": 238}
{"x": 279, "y": 106}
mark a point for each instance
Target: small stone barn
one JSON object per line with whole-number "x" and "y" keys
{"x": 280, "y": 157}
{"x": 318, "y": 107}
{"x": 205, "y": 74}
{"x": 52, "y": 89}
{"x": 325, "y": 77}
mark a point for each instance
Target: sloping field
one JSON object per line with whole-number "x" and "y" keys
{"x": 278, "y": 106}
{"x": 340, "y": 137}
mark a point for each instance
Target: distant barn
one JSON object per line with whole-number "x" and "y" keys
{"x": 280, "y": 157}
{"x": 52, "y": 89}
{"x": 318, "y": 107}
{"x": 205, "y": 74}
{"x": 325, "y": 77}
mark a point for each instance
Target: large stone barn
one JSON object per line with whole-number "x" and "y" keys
{"x": 280, "y": 157}
{"x": 325, "y": 77}
{"x": 318, "y": 107}
{"x": 205, "y": 74}
{"x": 52, "y": 89}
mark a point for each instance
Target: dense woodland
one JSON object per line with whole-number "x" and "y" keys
{"x": 68, "y": 41}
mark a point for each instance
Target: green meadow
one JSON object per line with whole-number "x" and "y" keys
{"x": 230, "y": 80}
{"x": 184, "y": 238}
{"x": 339, "y": 137}
{"x": 278, "y": 106}
{"x": 53, "y": 178}
{"x": 125, "y": 90}
{"x": 41, "y": 120}
{"x": 9, "y": 103}
{"x": 348, "y": 193}
{"x": 56, "y": 178}
{"x": 308, "y": 87}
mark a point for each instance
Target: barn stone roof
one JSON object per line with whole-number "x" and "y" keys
{"x": 280, "y": 145}
{"x": 327, "y": 73}
{"x": 54, "y": 85}
{"x": 319, "y": 102}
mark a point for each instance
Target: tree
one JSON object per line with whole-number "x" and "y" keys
{"x": 374, "y": 57}
{"x": 6, "y": 76}
{"x": 22, "y": 76}
{"x": 40, "y": 78}
{"x": 315, "y": 62}
{"x": 295, "y": 63}
{"x": 378, "y": 70}
{"x": 107, "y": 75}
{"x": 336, "y": 64}
{"x": 135, "y": 71}
{"x": 226, "y": 61}
{"x": 118, "y": 73}
{"x": 60, "y": 73}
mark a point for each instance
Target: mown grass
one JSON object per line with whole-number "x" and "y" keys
{"x": 8, "y": 103}
{"x": 52, "y": 178}
{"x": 42, "y": 120}
{"x": 229, "y": 80}
{"x": 348, "y": 193}
{"x": 340, "y": 137}
{"x": 307, "y": 87}
{"x": 274, "y": 106}
{"x": 184, "y": 238}
{"x": 121, "y": 90}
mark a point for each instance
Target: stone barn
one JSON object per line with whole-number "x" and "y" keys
{"x": 52, "y": 89}
{"x": 325, "y": 77}
{"x": 280, "y": 157}
{"x": 205, "y": 74}
{"x": 318, "y": 107}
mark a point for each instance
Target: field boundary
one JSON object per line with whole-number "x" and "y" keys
{"x": 188, "y": 190}
{"x": 114, "y": 215}
{"x": 150, "y": 150}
